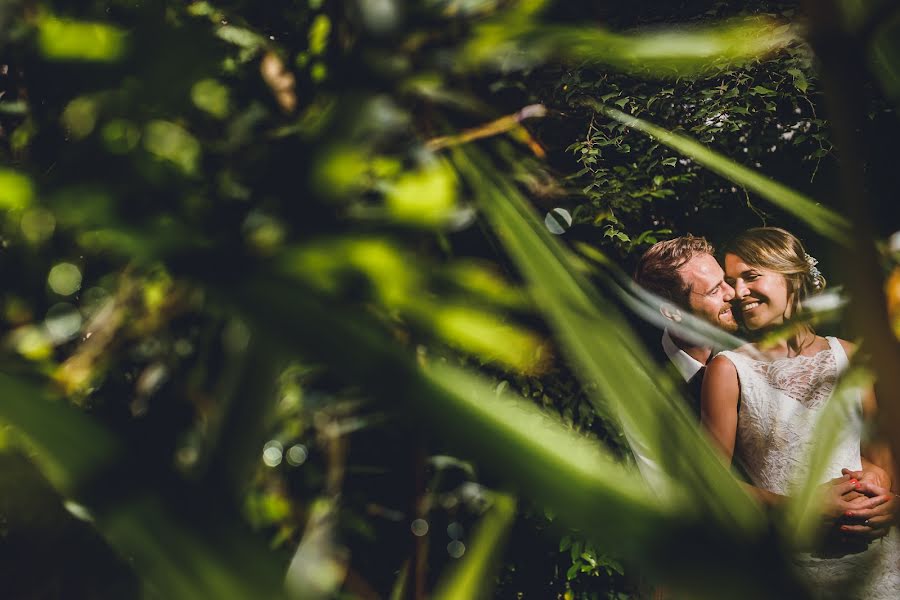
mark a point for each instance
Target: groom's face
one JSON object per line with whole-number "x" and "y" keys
{"x": 709, "y": 296}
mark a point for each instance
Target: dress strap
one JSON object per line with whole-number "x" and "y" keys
{"x": 840, "y": 356}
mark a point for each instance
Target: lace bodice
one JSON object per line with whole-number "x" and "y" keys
{"x": 780, "y": 404}
{"x": 781, "y": 401}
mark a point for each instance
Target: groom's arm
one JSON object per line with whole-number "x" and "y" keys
{"x": 876, "y": 479}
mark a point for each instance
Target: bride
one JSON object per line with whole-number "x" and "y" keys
{"x": 762, "y": 413}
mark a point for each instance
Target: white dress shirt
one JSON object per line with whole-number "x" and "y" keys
{"x": 686, "y": 365}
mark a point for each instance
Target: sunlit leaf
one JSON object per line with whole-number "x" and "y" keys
{"x": 838, "y": 420}
{"x": 16, "y": 190}
{"x": 239, "y": 36}
{"x": 483, "y": 281}
{"x": 818, "y": 217}
{"x": 318, "y": 34}
{"x": 564, "y": 468}
{"x": 172, "y": 143}
{"x": 604, "y": 348}
{"x": 212, "y": 97}
{"x": 426, "y": 197}
{"x": 472, "y": 578}
{"x": 669, "y": 53}
{"x": 487, "y": 336}
{"x": 64, "y": 39}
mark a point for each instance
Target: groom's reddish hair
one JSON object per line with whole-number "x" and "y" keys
{"x": 657, "y": 270}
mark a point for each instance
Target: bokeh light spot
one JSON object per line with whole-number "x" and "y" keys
{"x": 63, "y": 322}
{"x": 297, "y": 455}
{"x": 456, "y": 549}
{"x": 120, "y": 136}
{"x": 558, "y": 221}
{"x": 64, "y": 279}
{"x": 37, "y": 225}
{"x": 272, "y": 453}
{"x": 455, "y": 530}
{"x": 79, "y": 117}
{"x": 33, "y": 342}
{"x": 419, "y": 527}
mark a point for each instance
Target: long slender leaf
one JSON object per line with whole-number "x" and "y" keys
{"x": 647, "y": 305}
{"x": 838, "y": 419}
{"x": 180, "y": 555}
{"x": 519, "y": 41}
{"x": 818, "y": 217}
{"x": 542, "y": 457}
{"x": 71, "y": 447}
{"x": 654, "y": 419}
{"x": 471, "y": 579}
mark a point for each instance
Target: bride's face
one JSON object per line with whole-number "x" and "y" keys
{"x": 760, "y": 296}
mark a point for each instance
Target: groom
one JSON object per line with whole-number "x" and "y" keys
{"x": 684, "y": 272}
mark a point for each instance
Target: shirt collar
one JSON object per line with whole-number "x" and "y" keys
{"x": 686, "y": 365}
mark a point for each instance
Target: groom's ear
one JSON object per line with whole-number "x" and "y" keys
{"x": 671, "y": 312}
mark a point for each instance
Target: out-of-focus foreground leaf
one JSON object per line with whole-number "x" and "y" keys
{"x": 471, "y": 578}
{"x": 512, "y": 39}
{"x": 178, "y": 554}
{"x": 604, "y": 347}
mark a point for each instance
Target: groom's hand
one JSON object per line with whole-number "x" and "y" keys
{"x": 871, "y": 515}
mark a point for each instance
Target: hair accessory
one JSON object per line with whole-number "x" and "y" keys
{"x": 814, "y": 273}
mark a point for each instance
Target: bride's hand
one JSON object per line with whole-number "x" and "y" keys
{"x": 838, "y": 495}
{"x": 871, "y": 474}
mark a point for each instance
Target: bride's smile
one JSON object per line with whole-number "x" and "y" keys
{"x": 761, "y": 296}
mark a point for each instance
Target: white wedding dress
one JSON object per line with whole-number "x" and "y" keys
{"x": 780, "y": 404}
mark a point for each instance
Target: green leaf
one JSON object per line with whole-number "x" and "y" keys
{"x": 802, "y": 518}
{"x": 16, "y": 190}
{"x": 606, "y": 353}
{"x": 70, "y": 40}
{"x": 799, "y": 79}
{"x": 818, "y": 217}
{"x": 669, "y": 53}
{"x": 762, "y": 91}
{"x": 473, "y": 577}
{"x": 182, "y": 556}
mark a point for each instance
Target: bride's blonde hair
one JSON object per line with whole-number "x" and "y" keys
{"x": 780, "y": 251}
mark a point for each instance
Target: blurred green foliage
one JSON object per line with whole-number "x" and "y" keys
{"x": 280, "y": 317}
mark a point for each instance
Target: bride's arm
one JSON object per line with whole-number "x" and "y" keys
{"x": 718, "y": 403}
{"x": 719, "y": 398}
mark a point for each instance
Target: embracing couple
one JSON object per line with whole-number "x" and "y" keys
{"x": 760, "y": 403}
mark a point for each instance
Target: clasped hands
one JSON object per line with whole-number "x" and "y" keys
{"x": 860, "y": 505}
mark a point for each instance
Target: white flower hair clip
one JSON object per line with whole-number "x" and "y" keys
{"x": 817, "y": 279}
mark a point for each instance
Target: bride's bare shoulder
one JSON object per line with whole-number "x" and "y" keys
{"x": 849, "y": 347}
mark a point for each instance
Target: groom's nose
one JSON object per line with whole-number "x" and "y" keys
{"x": 728, "y": 294}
